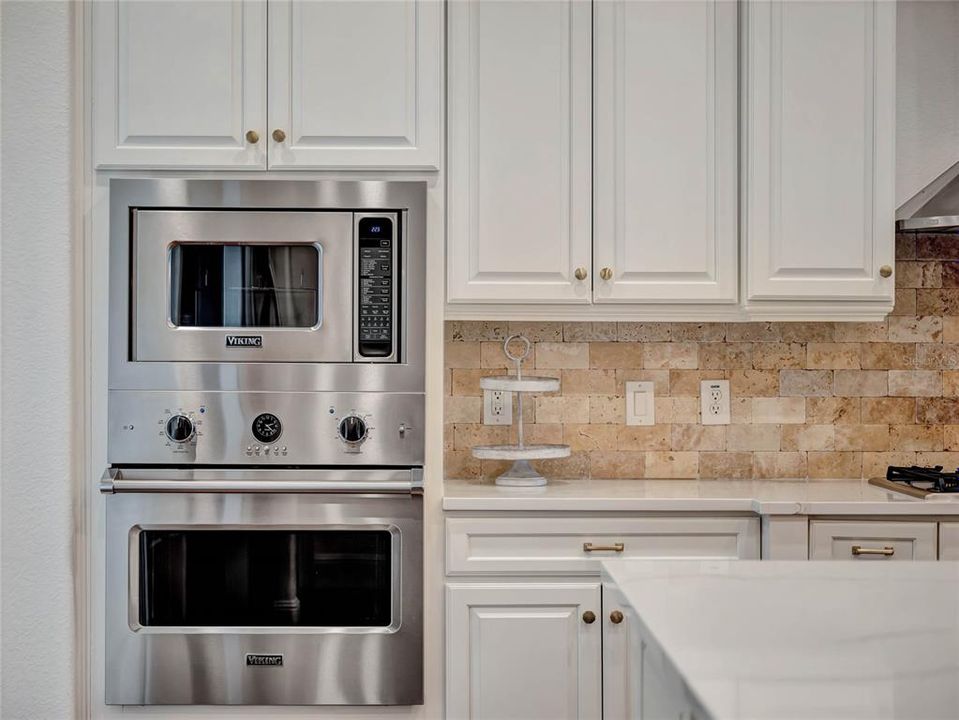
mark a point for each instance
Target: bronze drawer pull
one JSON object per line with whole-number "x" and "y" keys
{"x": 615, "y": 547}
{"x": 886, "y": 551}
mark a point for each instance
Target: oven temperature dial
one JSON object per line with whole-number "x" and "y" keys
{"x": 353, "y": 429}
{"x": 180, "y": 428}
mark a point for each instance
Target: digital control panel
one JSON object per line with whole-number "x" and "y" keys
{"x": 377, "y": 273}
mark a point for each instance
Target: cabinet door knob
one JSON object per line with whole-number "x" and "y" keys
{"x": 885, "y": 271}
{"x": 589, "y": 617}
{"x": 252, "y": 137}
{"x": 606, "y": 273}
{"x": 279, "y": 135}
{"x": 580, "y": 273}
{"x": 616, "y": 617}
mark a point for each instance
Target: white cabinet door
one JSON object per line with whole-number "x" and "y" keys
{"x": 179, "y": 83}
{"x": 523, "y": 652}
{"x": 519, "y": 151}
{"x": 949, "y": 541}
{"x": 819, "y": 132}
{"x": 665, "y": 144}
{"x": 356, "y": 84}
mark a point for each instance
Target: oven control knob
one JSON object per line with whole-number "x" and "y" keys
{"x": 353, "y": 429}
{"x": 179, "y": 428}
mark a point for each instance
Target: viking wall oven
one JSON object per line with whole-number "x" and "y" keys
{"x": 264, "y": 494}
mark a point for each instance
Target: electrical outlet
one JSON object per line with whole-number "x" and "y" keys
{"x": 497, "y": 407}
{"x": 714, "y": 402}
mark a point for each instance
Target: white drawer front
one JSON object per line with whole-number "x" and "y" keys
{"x": 556, "y": 544}
{"x": 871, "y": 541}
{"x": 949, "y": 541}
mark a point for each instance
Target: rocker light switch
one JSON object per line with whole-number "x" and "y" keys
{"x": 640, "y": 406}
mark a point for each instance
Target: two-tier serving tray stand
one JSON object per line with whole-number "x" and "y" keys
{"x": 521, "y": 474}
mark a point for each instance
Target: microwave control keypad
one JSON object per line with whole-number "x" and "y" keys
{"x": 376, "y": 273}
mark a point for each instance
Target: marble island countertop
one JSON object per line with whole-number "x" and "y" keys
{"x": 801, "y": 640}
{"x": 763, "y": 497}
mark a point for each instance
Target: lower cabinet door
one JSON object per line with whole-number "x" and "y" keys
{"x": 523, "y": 651}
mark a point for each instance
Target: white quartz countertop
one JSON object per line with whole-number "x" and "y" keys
{"x": 765, "y": 497}
{"x": 803, "y": 640}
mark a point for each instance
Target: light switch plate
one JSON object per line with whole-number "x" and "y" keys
{"x": 640, "y": 403}
{"x": 714, "y": 402}
{"x": 497, "y": 407}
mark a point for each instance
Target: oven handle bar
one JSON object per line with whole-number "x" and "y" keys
{"x": 125, "y": 480}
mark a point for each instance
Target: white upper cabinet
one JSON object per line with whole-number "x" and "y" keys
{"x": 352, "y": 85}
{"x": 356, "y": 84}
{"x": 819, "y": 132}
{"x": 519, "y": 170}
{"x": 665, "y": 151}
{"x": 179, "y": 84}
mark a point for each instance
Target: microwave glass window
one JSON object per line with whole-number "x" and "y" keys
{"x": 262, "y": 286}
{"x": 265, "y": 578}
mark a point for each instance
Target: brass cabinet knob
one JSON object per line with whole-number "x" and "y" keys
{"x": 606, "y": 273}
{"x": 589, "y": 617}
{"x": 580, "y": 273}
{"x": 885, "y": 271}
{"x": 616, "y": 617}
{"x": 279, "y": 135}
{"x": 252, "y": 137}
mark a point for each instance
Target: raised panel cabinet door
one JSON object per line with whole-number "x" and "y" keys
{"x": 949, "y": 541}
{"x": 179, "y": 84}
{"x": 665, "y": 213}
{"x": 519, "y": 176}
{"x": 523, "y": 652}
{"x": 356, "y": 84}
{"x": 819, "y": 159}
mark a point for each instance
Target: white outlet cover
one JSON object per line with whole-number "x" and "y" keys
{"x": 640, "y": 403}
{"x": 505, "y": 417}
{"x": 714, "y": 402}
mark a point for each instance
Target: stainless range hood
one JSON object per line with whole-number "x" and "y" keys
{"x": 939, "y": 214}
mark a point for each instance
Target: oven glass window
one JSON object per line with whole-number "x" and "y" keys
{"x": 261, "y": 286}
{"x": 256, "y": 578}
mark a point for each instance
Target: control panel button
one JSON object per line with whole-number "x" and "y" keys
{"x": 353, "y": 429}
{"x": 376, "y": 286}
{"x": 180, "y": 429}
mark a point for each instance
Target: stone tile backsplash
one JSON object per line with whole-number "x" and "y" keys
{"x": 819, "y": 400}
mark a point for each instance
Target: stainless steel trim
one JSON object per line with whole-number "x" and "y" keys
{"x": 929, "y": 223}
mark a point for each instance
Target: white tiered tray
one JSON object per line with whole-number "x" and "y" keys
{"x": 511, "y": 383}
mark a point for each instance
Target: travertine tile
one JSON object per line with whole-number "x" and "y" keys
{"x": 809, "y": 437}
{"x": 905, "y": 303}
{"x": 607, "y": 409}
{"x": 915, "y": 383}
{"x": 946, "y": 459}
{"x": 897, "y": 411}
{"x": 613, "y": 355}
{"x": 492, "y": 356}
{"x": 777, "y": 356}
{"x": 466, "y": 381}
{"x": 834, "y": 464}
{"x": 575, "y": 466}
{"x": 937, "y": 356}
{"x": 448, "y": 437}
{"x": 832, "y": 410}
{"x": 752, "y": 437}
{"x": 803, "y": 332}
{"x": 937, "y": 411}
{"x": 919, "y": 274}
{"x": 806, "y": 383}
{"x": 874, "y": 464}
{"x": 588, "y": 382}
{"x": 562, "y": 355}
{"x": 617, "y": 464}
{"x": 725, "y": 355}
{"x": 937, "y": 246}
{"x": 950, "y": 437}
{"x": 468, "y": 435}
{"x": 728, "y": 465}
{"x": 916, "y": 437}
{"x": 741, "y": 410}
{"x": 699, "y": 437}
{"x": 915, "y": 329}
{"x": 643, "y": 331}
{"x": 677, "y": 409}
{"x": 679, "y": 356}
{"x": 672, "y": 464}
{"x": 950, "y": 273}
{"x": 463, "y": 409}
{"x": 937, "y": 302}
{"x": 753, "y": 331}
{"x": 905, "y": 246}
{"x": 753, "y": 383}
{"x": 644, "y": 437}
{"x": 698, "y": 332}
{"x": 779, "y": 465}
{"x": 779, "y": 410}
{"x": 562, "y": 409}
{"x": 950, "y": 329}
{"x": 832, "y": 356}
{"x": 860, "y": 383}
{"x": 686, "y": 382}
{"x": 659, "y": 378}
{"x": 862, "y": 437}
{"x": 462, "y": 355}
{"x": 538, "y": 331}
{"x": 950, "y": 383}
{"x": 589, "y": 331}
{"x": 888, "y": 356}
{"x": 536, "y": 433}
{"x": 593, "y": 437}
{"x": 476, "y": 330}
{"x": 861, "y": 331}
{"x": 461, "y": 464}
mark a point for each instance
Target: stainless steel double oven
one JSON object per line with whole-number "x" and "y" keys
{"x": 264, "y": 531}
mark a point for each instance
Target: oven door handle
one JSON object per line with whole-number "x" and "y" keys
{"x": 122, "y": 480}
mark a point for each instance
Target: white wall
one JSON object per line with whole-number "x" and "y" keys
{"x": 927, "y": 93}
{"x": 36, "y": 600}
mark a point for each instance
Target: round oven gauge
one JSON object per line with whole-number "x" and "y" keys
{"x": 266, "y": 427}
